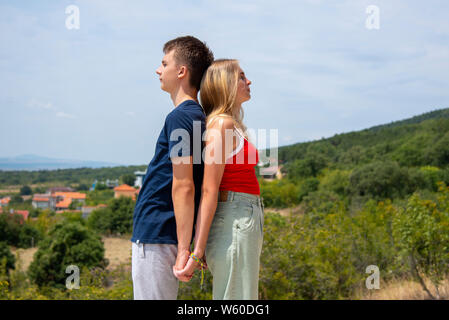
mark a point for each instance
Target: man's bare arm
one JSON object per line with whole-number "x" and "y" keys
{"x": 183, "y": 195}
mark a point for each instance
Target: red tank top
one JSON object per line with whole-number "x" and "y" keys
{"x": 239, "y": 174}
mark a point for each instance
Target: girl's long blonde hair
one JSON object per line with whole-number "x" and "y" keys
{"x": 218, "y": 92}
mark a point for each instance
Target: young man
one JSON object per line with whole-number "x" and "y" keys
{"x": 169, "y": 198}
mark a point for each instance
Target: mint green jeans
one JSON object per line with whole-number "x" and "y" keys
{"x": 234, "y": 246}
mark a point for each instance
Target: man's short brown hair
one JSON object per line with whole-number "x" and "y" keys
{"x": 194, "y": 53}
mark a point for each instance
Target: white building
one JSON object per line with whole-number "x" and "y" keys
{"x": 139, "y": 178}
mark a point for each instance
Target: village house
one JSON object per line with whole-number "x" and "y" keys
{"x": 270, "y": 169}
{"x": 127, "y": 191}
{"x": 41, "y": 201}
{"x": 57, "y": 200}
{"x": 4, "y": 201}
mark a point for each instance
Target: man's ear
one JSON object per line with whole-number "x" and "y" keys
{"x": 182, "y": 72}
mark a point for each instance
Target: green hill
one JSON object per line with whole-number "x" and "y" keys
{"x": 420, "y": 140}
{"x": 387, "y": 161}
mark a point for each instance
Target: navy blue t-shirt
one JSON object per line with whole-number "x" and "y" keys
{"x": 154, "y": 218}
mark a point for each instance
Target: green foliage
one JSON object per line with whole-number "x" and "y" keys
{"x": 115, "y": 219}
{"x": 65, "y": 176}
{"x": 321, "y": 201}
{"x": 423, "y": 233}
{"x": 16, "y": 232}
{"x": 279, "y": 193}
{"x": 74, "y": 217}
{"x": 431, "y": 175}
{"x": 324, "y": 255}
{"x": 25, "y": 190}
{"x": 7, "y": 259}
{"x": 310, "y": 166}
{"x": 82, "y": 187}
{"x": 336, "y": 181}
{"x": 97, "y": 197}
{"x": 45, "y": 221}
{"x": 379, "y": 180}
{"x": 439, "y": 154}
{"x": 192, "y": 289}
{"x": 128, "y": 179}
{"x": 67, "y": 244}
{"x": 16, "y": 199}
{"x": 101, "y": 187}
{"x": 419, "y": 141}
{"x": 306, "y": 259}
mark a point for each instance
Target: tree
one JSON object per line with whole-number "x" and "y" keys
{"x": 100, "y": 186}
{"x": 7, "y": 259}
{"x": 15, "y": 232}
{"x": 82, "y": 187}
{"x": 439, "y": 154}
{"x": 117, "y": 218}
{"x": 423, "y": 233}
{"x": 128, "y": 179}
{"x": 67, "y": 244}
{"x": 379, "y": 179}
{"x": 25, "y": 191}
{"x": 16, "y": 199}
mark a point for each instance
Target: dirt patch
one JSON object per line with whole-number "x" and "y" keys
{"x": 287, "y": 211}
{"x": 117, "y": 251}
{"x": 26, "y": 257}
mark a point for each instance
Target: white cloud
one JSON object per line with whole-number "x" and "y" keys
{"x": 35, "y": 104}
{"x": 60, "y": 114}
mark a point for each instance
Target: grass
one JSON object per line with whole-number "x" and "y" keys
{"x": 403, "y": 289}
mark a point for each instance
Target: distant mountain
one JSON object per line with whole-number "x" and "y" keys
{"x": 36, "y": 162}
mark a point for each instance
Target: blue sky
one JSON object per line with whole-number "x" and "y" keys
{"x": 316, "y": 70}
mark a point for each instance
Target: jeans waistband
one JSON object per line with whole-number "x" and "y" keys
{"x": 242, "y": 196}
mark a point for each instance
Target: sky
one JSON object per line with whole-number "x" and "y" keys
{"x": 318, "y": 68}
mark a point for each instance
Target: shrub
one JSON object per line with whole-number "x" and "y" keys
{"x": 117, "y": 218}
{"x": 67, "y": 244}
{"x": 379, "y": 180}
{"x": 7, "y": 260}
{"x": 423, "y": 233}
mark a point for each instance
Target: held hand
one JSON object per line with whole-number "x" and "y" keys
{"x": 187, "y": 271}
{"x": 181, "y": 261}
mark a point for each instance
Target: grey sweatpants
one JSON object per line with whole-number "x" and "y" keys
{"x": 152, "y": 271}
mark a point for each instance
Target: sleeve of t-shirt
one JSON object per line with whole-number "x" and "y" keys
{"x": 179, "y": 126}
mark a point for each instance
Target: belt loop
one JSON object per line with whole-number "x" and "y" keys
{"x": 230, "y": 195}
